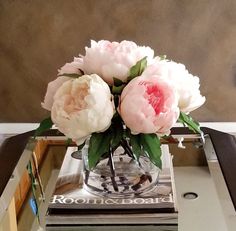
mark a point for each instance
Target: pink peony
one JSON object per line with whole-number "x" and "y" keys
{"x": 113, "y": 59}
{"x": 51, "y": 90}
{"x": 149, "y": 106}
{"x": 185, "y": 84}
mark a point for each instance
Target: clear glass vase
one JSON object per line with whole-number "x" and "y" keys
{"x": 119, "y": 175}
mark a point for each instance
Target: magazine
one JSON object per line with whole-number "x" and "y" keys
{"x": 71, "y": 204}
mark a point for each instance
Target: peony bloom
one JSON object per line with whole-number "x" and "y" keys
{"x": 149, "y": 106}
{"x": 185, "y": 84}
{"x": 71, "y": 68}
{"x": 68, "y": 68}
{"x": 82, "y": 106}
{"x": 51, "y": 90}
{"x": 113, "y": 59}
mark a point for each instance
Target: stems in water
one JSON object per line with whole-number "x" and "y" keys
{"x": 126, "y": 147}
{"x": 112, "y": 168}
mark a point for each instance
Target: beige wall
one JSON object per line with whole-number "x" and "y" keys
{"x": 38, "y": 36}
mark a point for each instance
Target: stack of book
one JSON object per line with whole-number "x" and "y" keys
{"x": 73, "y": 208}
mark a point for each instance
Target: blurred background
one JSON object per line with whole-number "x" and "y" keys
{"x": 38, "y": 37}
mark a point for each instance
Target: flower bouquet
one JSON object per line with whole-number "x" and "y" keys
{"x": 121, "y": 95}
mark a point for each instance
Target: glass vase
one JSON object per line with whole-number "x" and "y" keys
{"x": 119, "y": 174}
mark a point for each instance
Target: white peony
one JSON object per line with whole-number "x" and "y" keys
{"x": 185, "y": 84}
{"x": 82, "y": 106}
{"x": 71, "y": 68}
{"x": 68, "y": 68}
{"x": 51, "y": 90}
{"x": 113, "y": 59}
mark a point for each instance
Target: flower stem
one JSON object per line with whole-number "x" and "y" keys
{"x": 112, "y": 168}
{"x": 126, "y": 147}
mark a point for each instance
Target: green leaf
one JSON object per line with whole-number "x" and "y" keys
{"x": 137, "y": 69}
{"x": 117, "y": 82}
{"x": 68, "y": 142}
{"x": 81, "y": 146}
{"x": 45, "y": 125}
{"x": 98, "y": 145}
{"x": 117, "y": 90}
{"x": 152, "y": 146}
{"x": 188, "y": 121}
{"x": 135, "y": 144}
{"x": 71, "y": 75}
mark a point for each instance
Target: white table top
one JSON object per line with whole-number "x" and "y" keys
{"x": 14, "y": 128}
